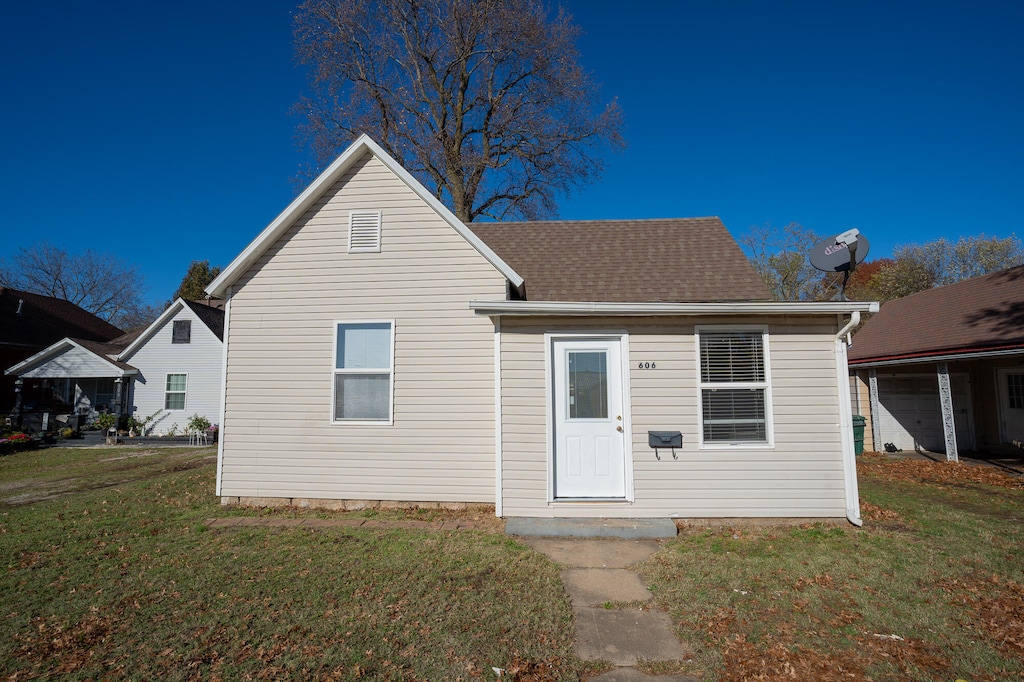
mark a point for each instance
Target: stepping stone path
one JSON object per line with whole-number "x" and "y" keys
{"x": 596, "y": 572}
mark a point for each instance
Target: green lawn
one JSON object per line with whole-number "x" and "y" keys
{"x": 931, "y": 589}
{"x": 126, "y": 580}
{"x": 117, "y": 576}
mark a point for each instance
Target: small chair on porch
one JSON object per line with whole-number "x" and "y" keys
{"x": 200, "y": 437}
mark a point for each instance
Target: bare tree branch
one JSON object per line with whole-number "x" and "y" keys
{"x": 483, "y": 100}
{"x": 104, "y": 285}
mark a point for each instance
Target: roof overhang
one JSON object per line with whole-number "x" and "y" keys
{"x": 537, "y": 308}
{"x": 44, "y": 356}
{"x": 922, "y": 358}
{"x": 219, "y": 286}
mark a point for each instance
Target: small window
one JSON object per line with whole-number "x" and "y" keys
{"x": 182, "y": 332}
{"x": 1015, "y": 390}
{"x": 174, "y": 397}
{"x": 363, "y": 369}
{"x": 364, "y": 232}
{"x": 734, "y": 386}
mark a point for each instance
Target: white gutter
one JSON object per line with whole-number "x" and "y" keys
{"x": 846, "y": 423}
{"x": 496, "y": 308}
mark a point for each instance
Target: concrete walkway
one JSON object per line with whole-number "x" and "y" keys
{"x": 597, "y": 574}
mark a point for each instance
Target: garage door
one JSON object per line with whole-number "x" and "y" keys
{"x": 911, "y": 416}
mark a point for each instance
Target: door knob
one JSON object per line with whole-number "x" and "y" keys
{"x": 619, "y": 429}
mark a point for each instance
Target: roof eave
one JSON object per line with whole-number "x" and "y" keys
{"x": 53, "y": 349}
{"x": 219, "y": 286}
{"x": 534, "y": 308}
{"x": 936, "y": 356}
{"x": 141, "y": 339}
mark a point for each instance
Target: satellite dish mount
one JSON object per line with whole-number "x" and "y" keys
{"x": 840, "y": 253}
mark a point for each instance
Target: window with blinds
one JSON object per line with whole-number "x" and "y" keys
{"x": 364, "y": 232}
{"x": 734, "y": 386}
{"x": 363, "y": 371}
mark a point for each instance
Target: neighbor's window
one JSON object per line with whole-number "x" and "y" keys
{"x": 182, "y": 332}
{"x": 734, "y": 386}
{"x": 174, "y": 397}
{"x": 363, "y": 368}
{"x": 1015, "y": 390}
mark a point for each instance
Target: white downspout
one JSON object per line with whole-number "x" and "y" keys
{"x": 846, "y": 423}
{"x": 223, "y": 394}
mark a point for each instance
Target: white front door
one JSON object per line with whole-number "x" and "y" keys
{"x": 589, "y": 431}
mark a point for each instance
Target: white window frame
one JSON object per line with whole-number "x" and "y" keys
{"x": 769, "y": 441}
{"x": 390, "y": 370}
{"x": 353, "y": 216}
{"x": 184, "y": 393}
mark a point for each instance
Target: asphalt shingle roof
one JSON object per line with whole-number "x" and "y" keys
{"x": 44, "y": 320}
{"x": 984, "y": 313}
{"x": 211, "y": 316}
{"x": 677, "y": 260}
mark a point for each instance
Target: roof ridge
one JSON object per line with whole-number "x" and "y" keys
{"x": 590, "y": 220}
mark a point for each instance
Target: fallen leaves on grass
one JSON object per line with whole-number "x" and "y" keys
{"x": 877, "y": 514}
{"x": 72, "y": 645}
{"x": 774, "y": 660}
{"x": 927, "y": 471}
{"x": 996, "y": 606}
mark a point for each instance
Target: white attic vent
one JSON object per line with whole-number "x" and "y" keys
{"x": 364, "y": 232}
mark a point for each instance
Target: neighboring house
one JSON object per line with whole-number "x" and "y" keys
{"x": 379, "y": 349}
{"x": 169, "y": 371}
{"x": 31, "y": 322}
{"x": 943, "y": 370}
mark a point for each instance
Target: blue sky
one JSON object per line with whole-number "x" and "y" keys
{"x": 162, "y": 134}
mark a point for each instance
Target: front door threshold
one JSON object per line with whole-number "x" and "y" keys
{"x": 627, "y": 529}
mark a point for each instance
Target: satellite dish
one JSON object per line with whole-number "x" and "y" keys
{"x": 840, "y": 253}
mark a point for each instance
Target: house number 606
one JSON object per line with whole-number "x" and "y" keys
{"x": 646, "y": 365}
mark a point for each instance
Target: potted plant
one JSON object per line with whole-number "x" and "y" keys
{"x": 107, "y": 422}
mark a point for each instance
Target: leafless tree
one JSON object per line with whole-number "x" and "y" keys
{"x": 780, "y": 256}
{"x": 102, "y": 284}
{"x": 483, "y": 100}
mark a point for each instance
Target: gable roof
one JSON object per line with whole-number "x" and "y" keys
{"x": 209, "y": 315}
{"x": 363, "y": 145}
{"x": 106, "y": 352}
{"x": 662, "y": 260}
{"x": 212, "y": 317}
{"x": 42, "y": 320}
{"x": 977, "y": 316}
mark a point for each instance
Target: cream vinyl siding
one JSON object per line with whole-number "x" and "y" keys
{"x": 802, "y": 475}
{"x": 278, "y": 437}
{"x": 200, "y": 359}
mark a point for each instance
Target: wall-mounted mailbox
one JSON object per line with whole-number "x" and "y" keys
{"x": 665, "y": 439}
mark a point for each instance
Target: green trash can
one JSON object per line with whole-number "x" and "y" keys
{"x": 858, "y": 434}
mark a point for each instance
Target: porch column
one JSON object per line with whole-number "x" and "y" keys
{"x": 19, "y": 386}
{"x": 946, "y": 401}
{"x": 876, "y": 422}
{"x": 117, "y": 397}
